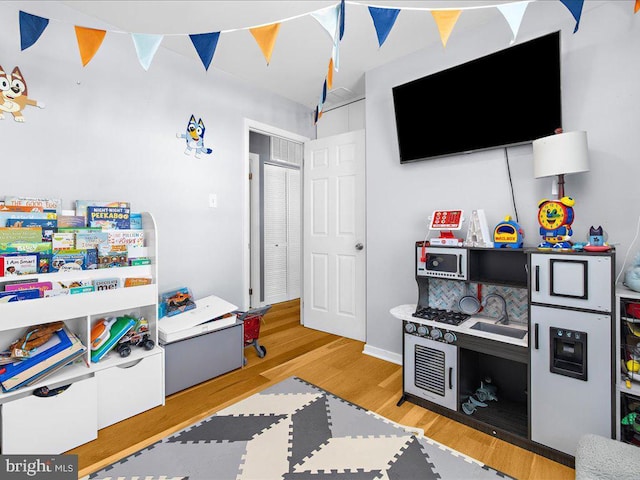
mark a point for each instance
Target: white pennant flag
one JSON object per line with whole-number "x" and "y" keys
{"x": 329, "y": 19}
{"x": 146, "y": 47}
{"x": 513, "y": 13}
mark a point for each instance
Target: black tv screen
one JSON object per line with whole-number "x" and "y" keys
{"x": 507, "y": 98}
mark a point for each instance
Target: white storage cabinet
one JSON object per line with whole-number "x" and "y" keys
{"x": 101, "y": 393}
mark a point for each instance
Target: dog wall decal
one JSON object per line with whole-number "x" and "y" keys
{"x": 14, "y": 94}
{"x": 194, "y": 137}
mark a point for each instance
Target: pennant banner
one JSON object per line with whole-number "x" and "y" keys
{"x": 513, "y": 13}
{"x": 342, "y": 9}
{"x": 266, "y": 38}
{"x": 146, "y": 47}
{"x": 328, "y": 18}
{"x": 445, "y": 20}
{"x": 330, "y": 74}
{"x": 575, "y": 7}
{"x": 383, "y": 20}
{"x": 637, "y": 7}
{"x": 31, "y": 27}
{"x": 205, "y": 44}
{"x": 89, "y": 42}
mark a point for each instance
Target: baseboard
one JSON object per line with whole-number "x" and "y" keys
{"x": 382, "y": 354}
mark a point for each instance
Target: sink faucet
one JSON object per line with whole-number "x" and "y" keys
{"x": 504, "y": 318}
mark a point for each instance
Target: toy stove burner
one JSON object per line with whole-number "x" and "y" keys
{"x": 440, "y": 315}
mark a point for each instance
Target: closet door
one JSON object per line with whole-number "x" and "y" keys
{"x": 281, "y": 272}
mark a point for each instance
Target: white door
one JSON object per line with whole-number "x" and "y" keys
{"x": 333, "y": 239}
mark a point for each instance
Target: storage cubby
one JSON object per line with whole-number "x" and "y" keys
{"x": 627, "y": 349}
{"x": 498, "y": 266}
{"x": 100, "y": 393}
{"x": 509, "y": 412}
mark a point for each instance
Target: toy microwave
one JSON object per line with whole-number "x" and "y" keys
{"x": 441, "y": 262}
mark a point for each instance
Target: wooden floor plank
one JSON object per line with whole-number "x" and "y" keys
{"x": 328, "y": 361}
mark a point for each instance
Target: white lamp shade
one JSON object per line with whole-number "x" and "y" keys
{"x": 560, "y": 154}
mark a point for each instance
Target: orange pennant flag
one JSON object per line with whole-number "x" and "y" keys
{"x": 266, "y": 38}
{"x": 446, "y": 20}
{"x": 89, "y": 41}
{"x": 637, "y": 7}
{"x": 330, "y": 74}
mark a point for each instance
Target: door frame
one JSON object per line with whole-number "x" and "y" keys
{"x": 253, "y": 125}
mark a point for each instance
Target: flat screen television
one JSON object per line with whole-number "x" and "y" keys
{"x": 506, "y": 98}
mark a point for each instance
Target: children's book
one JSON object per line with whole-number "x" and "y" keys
{"x": 63, "y": 241}
{"x": 101, "y": 284}
{"x": 4, "y": 216}
{"x": 136, "y": 281}
{"x": 126, "y": 237}
{"x": 136, "y": 221}
{"x": 19, "y": 208}
{"x": 41, "y": 286}
{"x": 91, "y": 239}
{"x": 26, "y": 247}
{"x": 14, "y": 234}
{"x": 91, "y": 259}
{"x": 78, "y": 229}
{"x": 54, "y": 204}
{"x": 85, "y": 289}
{"x": 112, "y": 259}
{"x": 19, "y": 295}
{"x": 139, "y": 261}
{"x": 108, "y": 218}
{"x": 71, "y": 221}
{"x": 81, "y": 205}
{"x": 67, "y": 260}
{"x": 65, "y": 348}
{"x": 31, "y": 222}
{"x": 21, "y": 264}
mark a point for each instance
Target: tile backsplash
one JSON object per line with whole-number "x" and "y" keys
{"x": 446, "y": 293}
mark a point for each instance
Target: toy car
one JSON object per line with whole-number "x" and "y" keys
{"x": 137, "y": 336}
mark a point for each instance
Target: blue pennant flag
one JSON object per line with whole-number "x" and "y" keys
{"x": 383, "y": 20}
{"x": 341, "y": 20}
{"x": 31, "y": 27}
{"x": 575, "y": 7}
{"x": 205, "y": 44}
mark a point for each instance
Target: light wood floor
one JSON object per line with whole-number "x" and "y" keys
{"x": 330, "y": 362}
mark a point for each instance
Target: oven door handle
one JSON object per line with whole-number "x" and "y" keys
{"x": 459, "y": 264}
{"x": 450, "y": 378}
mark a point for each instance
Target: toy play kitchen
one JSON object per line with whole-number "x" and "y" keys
{"x": 514, "y": 342}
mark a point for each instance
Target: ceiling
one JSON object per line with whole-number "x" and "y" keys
{"x": 303, "y": 48}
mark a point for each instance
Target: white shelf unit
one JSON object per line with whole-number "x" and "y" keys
{"x": 102, "y": 386}
{"x": 627, "y": 385}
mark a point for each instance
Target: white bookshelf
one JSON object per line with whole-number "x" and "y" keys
{"x": 95, "y": 387}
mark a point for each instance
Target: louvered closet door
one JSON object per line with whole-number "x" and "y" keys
{"x": 281, "y": 234}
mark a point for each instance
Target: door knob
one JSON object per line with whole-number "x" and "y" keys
{"x": 359, "y": 246}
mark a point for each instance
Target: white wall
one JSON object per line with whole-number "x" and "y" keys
{"x": 108, "y": 132}
{"x": 600, "y": 78}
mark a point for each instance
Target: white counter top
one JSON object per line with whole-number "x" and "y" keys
{"x": 405, "y": 312}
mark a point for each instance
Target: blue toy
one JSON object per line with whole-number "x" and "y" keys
{"x": 508, "y": 234}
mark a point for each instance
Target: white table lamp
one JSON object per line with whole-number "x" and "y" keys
{"x": 560, "y": 154}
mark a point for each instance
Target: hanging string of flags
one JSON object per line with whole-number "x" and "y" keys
{"x": 331, "y": 18}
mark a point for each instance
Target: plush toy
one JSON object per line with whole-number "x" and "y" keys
{"x": 632, "y": 276}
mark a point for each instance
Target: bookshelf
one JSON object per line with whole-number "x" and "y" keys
{"x": 101, "y": 393}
